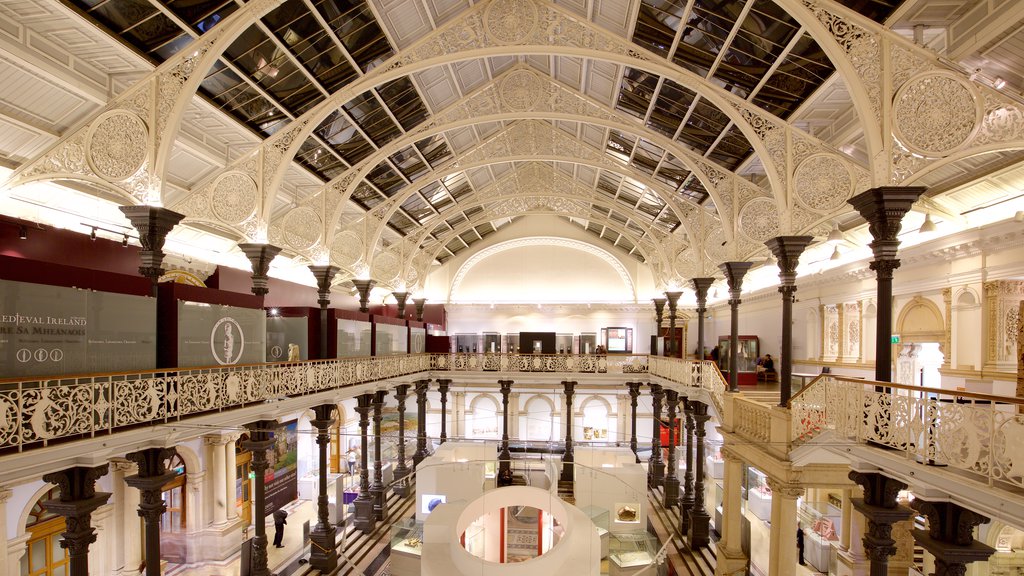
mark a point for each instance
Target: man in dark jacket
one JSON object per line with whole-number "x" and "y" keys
{"x": 279, "y": 522}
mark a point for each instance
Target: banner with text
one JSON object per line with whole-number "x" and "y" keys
{"x": 282, "y": 478}
{"x": 52, "y": 330}
{"x": 211, "y": 334}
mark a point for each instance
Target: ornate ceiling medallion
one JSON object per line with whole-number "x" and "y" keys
{"x": 234, "y": 198}
{"x": 510, "y": 21}
{"x": 117, "y": 145}
{"x": 823, "y": 183}
{"x": 302, "y": 227}
{"x": 935, "y": 114}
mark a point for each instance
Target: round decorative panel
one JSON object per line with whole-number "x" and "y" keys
{"x": 759, "y": 219}
{"x": 301, "y": 228}
{"x": 347, "y": 249}
{"x": 519, "y": 89}
{"x": 823, "y": 183}
{"x": 385, "y": 267}
{"x": 714, "y": 246}
{"x": 117, "y": 145}
{"x": 510, "y": 21}
{"x": 685, "y": 264}
{"x": 935, "y": 114}
{"x": 234, "y": 197}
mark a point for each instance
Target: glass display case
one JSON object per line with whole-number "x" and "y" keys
{"x": 820, "y": 522}
{"x": 407, "y": 536}
{"x": 512, "y": 343}
{"x": 714, "y": 464}
{"x": 465, "y": 343}
{"x": 599, "y": 516}
{"x": 749, "y": 351}
{"x": 629, "y": 553}
{"x": 759, "y": 494}
{"x": 492, "y": 342}
{"x": 563, "y": 343}
{"x": 588, "y": 342}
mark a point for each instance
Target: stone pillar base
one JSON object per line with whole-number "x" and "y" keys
{"x": 363, "y": 519}
{"x": 216, "y": 543}
{"x": 401, "y": 487}
{"x": 655, "y": 474}
{"x": 323, "y": 548}
{"x": 699, "y": 534}
{"x": 731, "y": 562}
{"x": 671, "y": 496}
{"x": 378, "y": 495}
{"x": 568, "y": 472}
{"x": 851, "y": 564}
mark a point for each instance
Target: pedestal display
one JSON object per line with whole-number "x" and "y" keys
{"x": 439, "y": 481}
{"x": 600, "y": 518}
{"x": 616, "y": 486}
{"x": 759, "y": 495}
{"x": 406, "y": 547}
{"x": 631, "y": 553}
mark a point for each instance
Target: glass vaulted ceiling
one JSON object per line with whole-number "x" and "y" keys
{"x": 304, "y": 50}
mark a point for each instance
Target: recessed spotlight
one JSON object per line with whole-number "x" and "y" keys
{"x": 999, "y": 83}
{"x": 23, "y": 232}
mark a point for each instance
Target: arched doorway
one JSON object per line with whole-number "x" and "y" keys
{"x": 45, "y": 557}
{"x": 172, "y": 522}
{"x": 243, "y": 488}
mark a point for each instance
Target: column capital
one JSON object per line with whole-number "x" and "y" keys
{"x": 673, "y": 300}
{"x": 505, "y": 387}
{"x": 364, "y": 287}
{"x": 419, "y": 303}
{"x": 261, "y": 435}
{"x": 218, "y": 439}
{"x": 5, "y": 494}
{"x": 785, "y": 489}
{"x": 123, "y": 465}
{"x": 260, "y": 256}
{"x": 884, "y": 208}
{"x": 787, "y": 250}
{"x": 443, "y": 385}
{"x": 659, "y": 309}
{"x": 656, "y": 390}
{"x": 323, "y": 416}
{"x": 151, "y": 461}
{"x": 634, "y": 390}
{"x": 701, "y": 287}
{"x": 153, "y": 223}
{"x": 401, "y": 298}
{"x": 568, "y": 386}
{"x": 324, "y": 275}
{"x": 879, "y": 490}
{"x": 401, "y": 392}
{"x": 77, "y": 482}
{"x": 734, "y": 273}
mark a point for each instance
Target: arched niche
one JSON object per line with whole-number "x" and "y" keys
{"x": 919, "y": 321}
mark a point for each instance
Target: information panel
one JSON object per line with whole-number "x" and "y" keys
{"x": 52, "y": 330}
{"x": 282, "y": 478}
{"x": 210, "y": 334}
{"x": 353, "y": 338}
{"x": 284, "y": 331}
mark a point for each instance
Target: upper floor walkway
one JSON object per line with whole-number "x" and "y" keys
{"x": 951, "y": 445}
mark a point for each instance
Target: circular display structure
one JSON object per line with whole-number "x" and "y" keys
{"x": 521, "y": 533}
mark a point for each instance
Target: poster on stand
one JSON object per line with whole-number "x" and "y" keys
{"x": 282, "y": 477}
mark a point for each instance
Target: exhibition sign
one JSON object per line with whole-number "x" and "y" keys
{"x": 211, "y": 334}
{"x": 53, "y": 330}
{"x": 282, "y": 477}
{"x": 282, "y": 331}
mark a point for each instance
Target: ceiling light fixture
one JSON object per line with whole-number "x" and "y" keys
{"x": 23, "y": 232}
{"x": 92, "y": 235}
{"x": 836, "y": 255}
{"x": 836, "y": 235}
{"x": 124, "y": 241}
{"x": 928, "y": 225}
{"x": 1019, "y": 216}
{"x": 999, "y": 83}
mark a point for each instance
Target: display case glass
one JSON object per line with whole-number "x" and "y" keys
{"x": 759, "y": 494}
{"x": 512, "y": 343}
{"x": 407, "y": 536}
{"x": 599, "y": 516}
{"x": 563, "y": 343}
{"x": 617, "y": 340}
{"x": 466, "y": 343}
{"x": 631, "y": 550}
{"x": 749, "y": 351}
{"x": 588, "y": 343}
{"x": 492, "y": 342}
{"x": 820, "y": 522}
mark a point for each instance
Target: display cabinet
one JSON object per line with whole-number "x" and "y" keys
{"x": 759, "y": 494}
{"x": 512, "y": 343}
{"x": 492, "y": 342}
{"x": 630, "y": 553}
{"x": 714, "y": 464}
{"x": 820, "y": 522}
{"x": 599, "y": 516}
{"x": 466, "y": 343}
{"x": 406, "y": 547}
{"x": 749, "y": 351}
{"x": 588, "y": 342}
{"x": 563, "y": 343}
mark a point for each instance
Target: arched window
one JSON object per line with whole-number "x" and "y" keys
{"x": 45, "y": 557}
{"x": 173, "y": 519}
{"x": 243, "y": 489}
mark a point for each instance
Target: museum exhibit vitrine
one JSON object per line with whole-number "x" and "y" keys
{"x": 749, "y": 351}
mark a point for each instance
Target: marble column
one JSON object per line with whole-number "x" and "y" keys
{"x": 787, "y": 250}
{"x": 324, "y": 275}
{"x": 734, "y": 273}
{"x": 150, "y": 480}
{"x": 731, "y": 557}
{"x": 881, "y": 510}
{"x": 130, "y": 518}
{"x": 655, "y": 466}
{"x": 260, "y": 256}
{"x": 421, "y": 422}
{"x": 78, "y": 499}
{"x": 701, "y": 286}
{"x": 634, "y": 393}
{"x": 884, "y": 208}
{"x": 218, "y": 468}
{"x": 673, "y": 347}
{"x": 659, "y": 311}
{"x": 686, "y": 499}
{"x": 364, "y": 518}
{"x": 443, "y": 385}
{"x": 377, "y": 491}
{"x": 261, "y": 439}
{"x": 699, "y": 530}
{"x": 568, "y": 459}
{"x": 670, "y": 496}
{"x": 231, "y": 479}
{"x": 323, "y": 552}
{"x": 401, "y": 487}
{"x": 782, "y": 535}
{"x": 504, "y": 456}
{"x": 950, "y": 536}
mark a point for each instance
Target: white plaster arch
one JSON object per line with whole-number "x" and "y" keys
{"x": 23, "y": 517}
{"x": 190, "y": 458}
{"x": 967, "y": 297}
{"x": 543, "y": 399}
{"x": 541, "y": 241}
{"x": 595, "y": 399}
{"x": 483, "y": 396}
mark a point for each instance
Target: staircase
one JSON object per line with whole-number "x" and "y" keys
{"x": 566, "y": 491}
{"x": 770, "y": 397}
{"x": 683, "y": 560}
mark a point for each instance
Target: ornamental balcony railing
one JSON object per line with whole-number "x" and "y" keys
{"x": 980, "y": 434}
{"x": 697, "y": 373}
{"x": 495, "y": 362}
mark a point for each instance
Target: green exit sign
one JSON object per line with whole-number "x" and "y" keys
{"x": 894, "y": 339}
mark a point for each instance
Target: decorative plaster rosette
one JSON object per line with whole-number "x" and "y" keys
{"x": 519, "y": 90}
{"x": 823, "y": 183}
{"x": 759, "y": 219}
{"x": 510, "y": 21}
{"x": 714, "y": 248}
{"x": 347, "y": 249}
{"x": 935, "y": 114}
{"x": 117, "y": 145}
{"x": 385, "y": 267}
{"x": 302, "y": 228}
{"x": 234, "y": 197}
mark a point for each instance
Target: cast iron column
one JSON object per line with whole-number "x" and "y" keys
{"x": 673, "y": 299}
{"x": 655, "y": 466}
{"x": 260, "y": 255}
{"x": 323, "y": 554}
{"x": 701, "y": 286}
{"x": 787, "y": 250}
{"x": 419, "y": 303}
{"x": 950, "y": 536}
{"x": 634, "y": 393}
{"x": 364, "y": 518}
{"x": 734, "y": 273}
{"x": 568, "y": 459}
{"x": 881, "y": 510}
{"x": 324, "y": 276}
{"x": 401, "y": 486}
{"x": 150, "y": 481}
{"x": 78, "y": 499}
{"x": 261, "y": 439}
{"x": 421, "y": 422}
{"x": 153, "y": 224}
{"x": 659, "y": 312}
{"x": 401, "y": 298}
{"x": 671, "y": 485}
{"x": 504, "y": 456}
{"x": 377, "y": 492}
{"x": 364, "y": 287}
{"x": 442, "y": 388}
{"x": 686, "y": 500}
{"x": 884, "y": 208}
{"x": 699, "y": 532}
